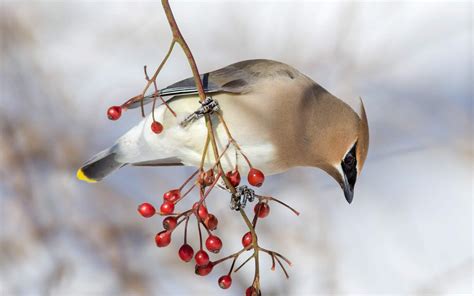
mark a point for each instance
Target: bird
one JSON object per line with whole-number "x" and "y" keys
{"x": 279, "y": 117}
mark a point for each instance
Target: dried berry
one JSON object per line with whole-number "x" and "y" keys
{"x": 234, "y": 177}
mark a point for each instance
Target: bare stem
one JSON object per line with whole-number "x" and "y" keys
{"x": 263, "y": 198}
{"x": 245, "y": 262}
{"x": 211, "y": 187}
{"x": 232, "y": 140}
{"x": 235, "y": 256}
{"x": 199, "y": 230}
{"x": 153, "y": 78}
{"x": 177, "y": 37}
{"x": 276, "y": 254}
{"x": 186, "y": 193}
{"x": 273, "y": 261}
{"x": 187, "y": 180}
{"x": 282, "y": 267}
{"x": 204, "y": 153}
{"x": 186, "y": 230}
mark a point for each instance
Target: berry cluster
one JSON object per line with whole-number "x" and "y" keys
{"x": 204, "y": 181}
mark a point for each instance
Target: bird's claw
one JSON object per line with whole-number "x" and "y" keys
{"x": 241, "y": 197}
{"x": 209, "y": 105}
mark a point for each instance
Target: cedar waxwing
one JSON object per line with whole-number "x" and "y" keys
{"x": 279, "y": 117}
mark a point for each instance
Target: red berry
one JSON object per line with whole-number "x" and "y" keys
{"x": 213, "y": 244}
{"x": 146, "y": 210}
{"x": 247, "y": 239}
{"x": 156, "y": 127}
{"x": 251, "y": 291}
{"x": 186, "y": 253}
{"x": 202, "y": 211}
{"x": 256, "y": 177}
{"x": 225, "y": 281}
{"x": 201, "y": 258}
{"x": 167, "y": 208}
{"x": 170, "y": 223}
{"x": 163, "y": 238}
{"x": 114, "y": 112}
{"x": 172, "y": 195}
{"x": 211, "y": 222}
{"x": 204, "y": 270}
{"x": 262, "y": 209}
{"x": 234, "y": 177}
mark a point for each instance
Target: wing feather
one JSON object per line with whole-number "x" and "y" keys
{"x": 236, "y": 78}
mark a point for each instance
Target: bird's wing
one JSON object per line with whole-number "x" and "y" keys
{"x": 236, "y": 78}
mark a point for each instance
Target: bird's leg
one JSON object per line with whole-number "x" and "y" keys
{"x": 208, "y": 106}
{"x": 239, "y": 199}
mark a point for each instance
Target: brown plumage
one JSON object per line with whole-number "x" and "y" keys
{"x": 280, "y": 117}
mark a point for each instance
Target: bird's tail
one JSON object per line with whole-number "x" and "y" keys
{"x": 101, "y": 165}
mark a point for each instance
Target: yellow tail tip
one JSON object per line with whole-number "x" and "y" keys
{"x": 81, "y": 176}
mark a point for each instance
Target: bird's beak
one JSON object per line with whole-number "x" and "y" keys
{"x": 348, "y": 190}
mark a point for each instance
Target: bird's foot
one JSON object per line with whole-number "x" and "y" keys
{"x": 209, "y": 105}
{"x": 241, "y": 197}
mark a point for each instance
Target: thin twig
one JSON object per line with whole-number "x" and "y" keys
{"x": 273, "y": 261}
{"x": 231, "y": 139}
{"x": 262, "y": 198}
{"x": 186, "y": 193}
{"x": 204, "y": 153}
{"x": 245, "y": 262}
{"x": 199, "y": 230}
{"x": 186, "y": 230}
{"x": 282, "y": 267}
{"x": 187, "y": 180}
{"x": 177, "y": 37}
{"x": 153, "y": 78}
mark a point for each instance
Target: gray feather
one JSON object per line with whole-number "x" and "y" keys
{"x": 236, "y": 78}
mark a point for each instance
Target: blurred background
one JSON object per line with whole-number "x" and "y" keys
{"x": 408, "y": 231}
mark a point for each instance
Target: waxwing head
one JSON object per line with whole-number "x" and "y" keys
{"x": 346, "y": 148}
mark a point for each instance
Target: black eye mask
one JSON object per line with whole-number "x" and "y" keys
{"x": 349, "y": 166}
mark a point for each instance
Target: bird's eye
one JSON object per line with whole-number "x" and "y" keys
{"x": 349, "y": 160}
